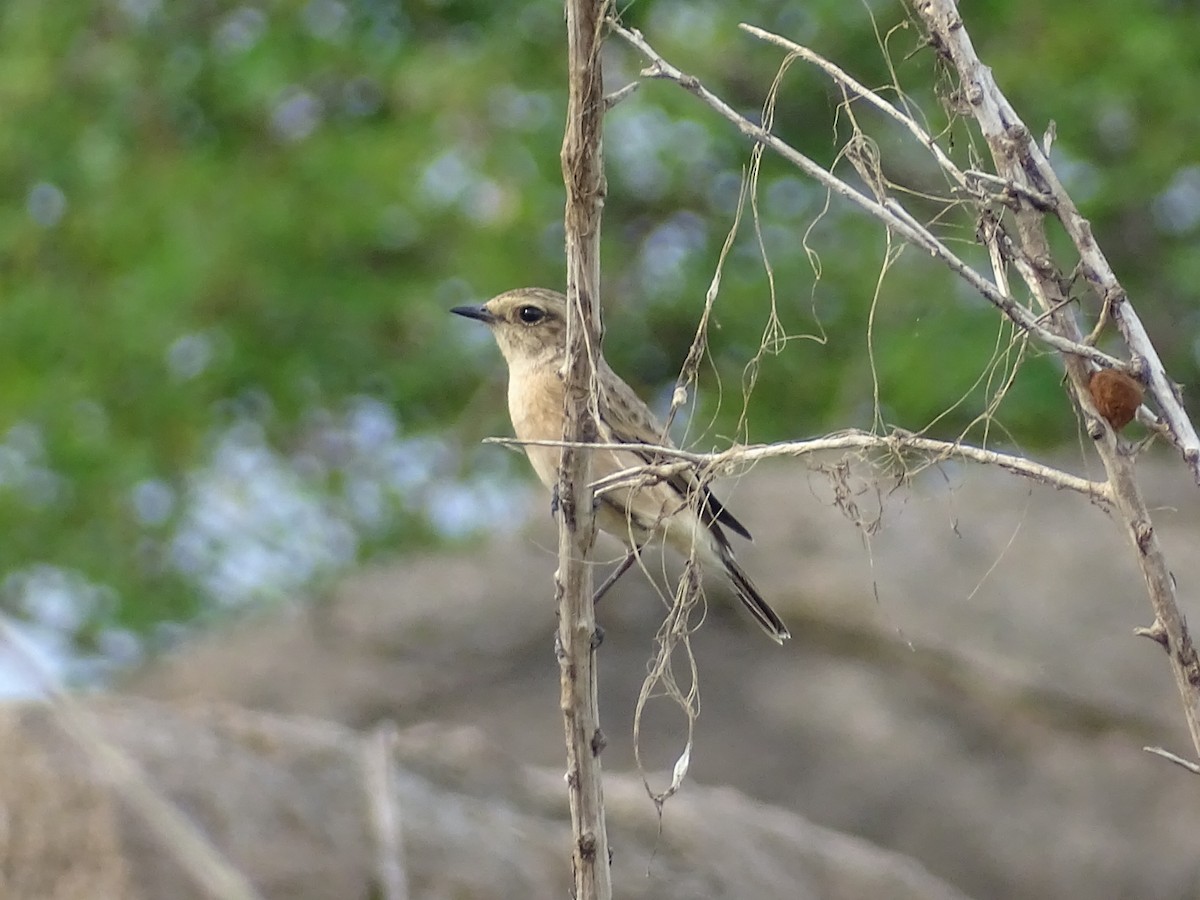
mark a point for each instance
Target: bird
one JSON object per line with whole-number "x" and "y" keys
{"x": 530, "y": 328}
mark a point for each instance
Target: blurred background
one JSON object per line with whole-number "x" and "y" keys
{"x": 231, "y": 231}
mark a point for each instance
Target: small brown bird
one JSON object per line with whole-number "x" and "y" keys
{"x": 530, "y": 326}
{"x": 1116, "y": 396}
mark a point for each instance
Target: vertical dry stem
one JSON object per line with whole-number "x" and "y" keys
{"x": 583, "y": 175}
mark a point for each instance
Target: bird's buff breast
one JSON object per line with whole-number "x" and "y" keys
{"x": 535, "y": 404}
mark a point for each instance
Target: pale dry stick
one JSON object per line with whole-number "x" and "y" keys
{"x": 739, "y": 457}
{"x": 379, "y": 779}
{"x": 1030, "y": 169}
{"x": 905, "y": 225}
{"x": 1171, "y": 757}
{"x": 583, "y": 178}
{"x": 989, "y": 229}
{"x": 1018, "y": 158}
{"x": 189, "y": 846}
{"x": 999, "y": 242}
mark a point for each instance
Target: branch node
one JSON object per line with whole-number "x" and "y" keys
{"x": 620, "y": 94}
{"x": 1156, "y": 632}
{"x": 1143, "y": 533}
{"x": 587, "y": 847}
{"x": 1019, "y": 135}
{"x": 1115, "y": 296}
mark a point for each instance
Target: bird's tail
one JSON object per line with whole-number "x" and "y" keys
{"x": 766, "y": 617}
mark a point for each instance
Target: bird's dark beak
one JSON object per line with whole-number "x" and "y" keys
{"x": 475, "y": 312}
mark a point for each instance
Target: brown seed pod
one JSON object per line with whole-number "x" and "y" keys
{"x": 1116, "y": 395}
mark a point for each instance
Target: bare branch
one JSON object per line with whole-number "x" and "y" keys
{"x": 583, "y": 176}
{"x": 891, "y": 213}
{"x": 897, "y": 442}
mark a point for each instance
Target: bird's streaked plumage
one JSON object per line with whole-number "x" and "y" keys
{"x": 530, "y": 327}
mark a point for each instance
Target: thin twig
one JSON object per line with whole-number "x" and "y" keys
{"x": 1018, "y": 158}
{"x": 1178, "y": 760}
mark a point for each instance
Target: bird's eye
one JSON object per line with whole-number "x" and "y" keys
{"x": 531, "y": 314}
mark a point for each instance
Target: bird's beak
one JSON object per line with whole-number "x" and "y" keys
{"x": 475, "y": 312}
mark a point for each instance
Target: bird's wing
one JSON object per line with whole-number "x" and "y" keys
{"x": 629, "y": 421}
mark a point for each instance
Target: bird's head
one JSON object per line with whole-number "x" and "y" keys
{"x": 529, "y": 324}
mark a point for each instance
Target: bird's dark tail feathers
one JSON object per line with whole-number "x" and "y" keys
{"x": 766, "y": 617}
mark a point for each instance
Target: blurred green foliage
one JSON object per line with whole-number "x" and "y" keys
{"x": 222, "y": 216}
